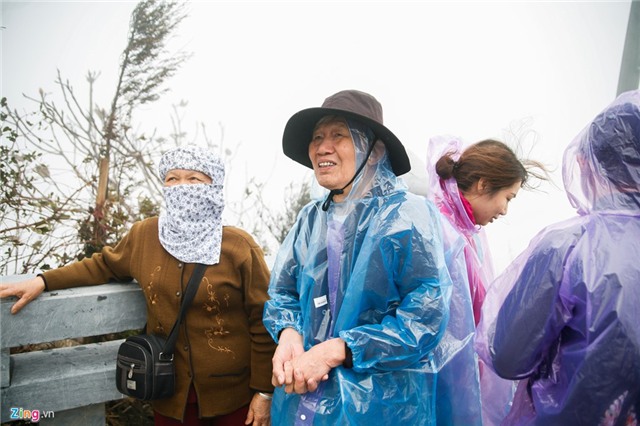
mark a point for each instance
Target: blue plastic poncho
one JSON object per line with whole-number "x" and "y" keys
{"x": 377, "y": 259}
{"x": 564, "y": 316}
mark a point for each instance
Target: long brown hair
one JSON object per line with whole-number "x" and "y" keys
{"x": 493, "y": 161}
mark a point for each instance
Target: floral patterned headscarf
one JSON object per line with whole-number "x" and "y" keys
{"x": 190, "y": 225}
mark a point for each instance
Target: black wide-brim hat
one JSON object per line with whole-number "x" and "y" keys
{"x": 350, "y": 104}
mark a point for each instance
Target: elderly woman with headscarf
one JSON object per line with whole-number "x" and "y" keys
{"x": 222, "y": 356}
{"x": 563, "y": 318}
{"x": 360, "y": 288}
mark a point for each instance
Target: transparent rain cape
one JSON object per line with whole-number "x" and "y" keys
{"x": 370, "y": 270}
{"x": 564, "y": 316}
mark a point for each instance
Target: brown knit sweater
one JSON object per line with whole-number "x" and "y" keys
{"x": 222, "y": 347}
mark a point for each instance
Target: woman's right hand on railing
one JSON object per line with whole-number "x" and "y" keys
{"x": 25, "y": 291}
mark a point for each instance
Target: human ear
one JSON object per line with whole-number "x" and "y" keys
{"x": 377, "y": 153}
{"x": 482, "y": 185}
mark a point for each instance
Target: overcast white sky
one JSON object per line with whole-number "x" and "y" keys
{"x": 472, "y": 69}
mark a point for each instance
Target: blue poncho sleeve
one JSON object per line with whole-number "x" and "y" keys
{"x": 413, "y": 260}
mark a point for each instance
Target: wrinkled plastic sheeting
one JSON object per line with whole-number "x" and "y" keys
{"x": 563, "y": 316}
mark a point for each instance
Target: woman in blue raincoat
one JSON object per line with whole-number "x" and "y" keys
{"x": 563, "y": 317}
{"x": 359, "y": 290}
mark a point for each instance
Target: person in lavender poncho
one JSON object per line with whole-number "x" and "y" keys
{"x": 563, "y": 318}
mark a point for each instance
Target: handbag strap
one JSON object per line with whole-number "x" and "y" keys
{"x": 189, "y": 294}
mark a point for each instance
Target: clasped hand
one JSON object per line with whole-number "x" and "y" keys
{"x": 301, "y": 371}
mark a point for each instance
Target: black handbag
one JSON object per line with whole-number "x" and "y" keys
{"x": 144, "y": 365}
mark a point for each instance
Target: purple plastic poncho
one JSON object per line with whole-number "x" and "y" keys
{"x": 496, "y": 392}
{"x": 564, "y": 316}
{"x": 371, "y": 270}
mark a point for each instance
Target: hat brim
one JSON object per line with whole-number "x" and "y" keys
{"x": 299, "y": 131}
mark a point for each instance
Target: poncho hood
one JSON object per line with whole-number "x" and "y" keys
{"x": 601, "y": 167}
